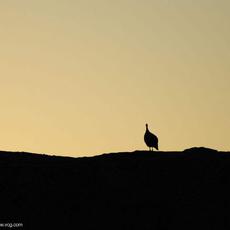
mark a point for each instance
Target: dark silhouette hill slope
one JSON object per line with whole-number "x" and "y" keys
{"x": 137, "y": 190}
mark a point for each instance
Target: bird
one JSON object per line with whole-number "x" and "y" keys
{"x": 150, "y": 139}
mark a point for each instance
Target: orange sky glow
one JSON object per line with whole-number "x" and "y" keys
{"x": 81, "y": 78}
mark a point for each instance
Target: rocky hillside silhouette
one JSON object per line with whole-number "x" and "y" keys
{"x": 136, "y": 190}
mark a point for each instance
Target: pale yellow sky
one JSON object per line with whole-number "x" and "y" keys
{"x": 83, "y": 77}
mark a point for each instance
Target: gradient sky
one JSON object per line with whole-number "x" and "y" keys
{"x": 82, "y": 77}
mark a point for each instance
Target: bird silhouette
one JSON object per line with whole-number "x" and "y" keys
{"x": 151, "y": 140}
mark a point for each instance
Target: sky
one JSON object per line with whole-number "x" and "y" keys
{"x": 82, "y": 77}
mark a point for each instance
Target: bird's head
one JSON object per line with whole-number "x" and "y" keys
{"x": 146, "y": 125}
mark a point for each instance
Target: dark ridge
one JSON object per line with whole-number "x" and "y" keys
{"x": 198, "y": 150}
{"x": 127, "y": 190}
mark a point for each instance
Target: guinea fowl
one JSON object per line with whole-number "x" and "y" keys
{"x": 151, "y": 140}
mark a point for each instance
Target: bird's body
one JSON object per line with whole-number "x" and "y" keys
{"x": 151, "y": 140}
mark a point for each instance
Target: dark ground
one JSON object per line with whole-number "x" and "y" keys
{"x": 139, "y": 190}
